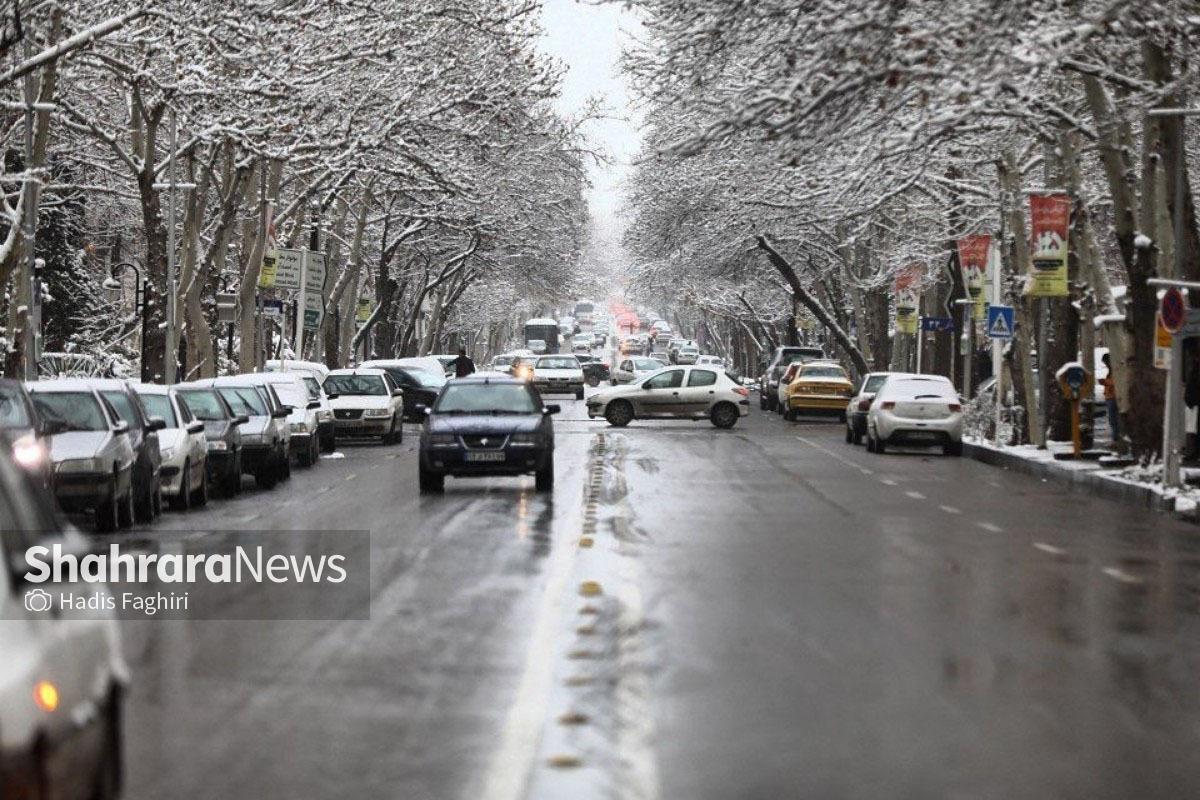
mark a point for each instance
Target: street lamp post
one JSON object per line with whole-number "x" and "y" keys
{"x": 140, "y": 306}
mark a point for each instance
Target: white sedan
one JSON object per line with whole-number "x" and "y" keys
{"x": 366, "y": 402}
{"x": 629, "y": 370}
{"x": 675, "y": 392}
{"x": 558, "y": 375}
{"x": 183, "y": 445}
{"x": 916, "y": 410}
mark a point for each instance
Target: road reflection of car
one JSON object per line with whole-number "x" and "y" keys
{"x": 92, "y": 455}
{"x": 629, "y": 370}
{"x": 368, "y": 403}
{"x": 487, "y": 425}
{"x": 26, "y": 433}
{"x": 143, "y": 436}
{"x": 860, "y": 404}
{"x": 818, "y": 387}
{"x": 916, "y": 410}
{"x": 62, "y": 673}
{"x": 222, "y": 433}
{"x": 558, "y": 375}
{"x": 420, "y": 386}
{"x": 677, "y": 392}
{"x": 183, "y": 445}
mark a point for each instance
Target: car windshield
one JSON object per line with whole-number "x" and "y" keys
{"x": 355, "y": 385}
{"x": 121, "y": 402}
{"x": 557, "y": 363}
{"x": 13, "y": 413}
{"x": 244, "y": 400}
{"x": 873, "y": 383}
{"x": 643, "y": 364}
{"x": 502, "y": 361}
{"x": 159, "y": 405}
{"x": 204, "y": 404}
{"x": 486, "y": 398}
{"x": 79, "y": 410}
{"x": 313, "y": 386}
{"x": 822, "y": 372}
{"x": 914, "y": 389}
{"x": 427, "y": 379}
{"x": 291, "y": 395}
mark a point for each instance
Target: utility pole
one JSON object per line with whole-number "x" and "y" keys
{"x": 172, "y": 343}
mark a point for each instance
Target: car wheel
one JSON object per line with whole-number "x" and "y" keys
{"x": 856, "y": 437}
{"x": 126, "y": 511}
{"x": 849, "y": 435}
{"x": 107, "y": 519}
{"x": 231, "y": 483}
{"x": 431, "y": 482}
{"x": 579, "y": 394}
{"x": 285, "y": 467}
{"x": 144, "y": 507}
{"x": 328, "y": 443}
{"x": 790, "y": 415}
{"x": 953, "y": 449}
{"x": 870, "y": 443}
{"x": 544, "y": 478}
{"x": 880, "y": 446}
{"x": 619, "y": 413}
{"x": 267, "y": 477}
{"x": 183, "y": 500}
{"x": 724, "y": 415}
{"x": 314, "y": 452}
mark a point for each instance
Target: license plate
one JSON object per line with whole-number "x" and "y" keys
{"x": 495, "y": 456}
{"x": 922, "y": 435}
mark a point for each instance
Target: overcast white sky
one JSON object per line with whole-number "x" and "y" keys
{"x": 588, "y": 40}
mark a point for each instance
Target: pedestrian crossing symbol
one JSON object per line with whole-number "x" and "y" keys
{"x": 1000, "y": 322}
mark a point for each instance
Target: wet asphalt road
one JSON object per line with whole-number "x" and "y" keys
{"x": 775, "y": 614}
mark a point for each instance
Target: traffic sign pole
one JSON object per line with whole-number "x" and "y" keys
{"x": 298, "y": 348}
{"x": 997, "y": 345}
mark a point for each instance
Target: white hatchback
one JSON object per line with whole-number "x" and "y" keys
{"x": 920, "y": 410}
{"x": 676, "y": 392}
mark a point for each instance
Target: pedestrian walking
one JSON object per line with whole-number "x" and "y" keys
{"x": 1110, "y": 400}
{"x": 463, "y": 365}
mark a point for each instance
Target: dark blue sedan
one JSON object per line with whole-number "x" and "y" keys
{"x": 487, "y": 425}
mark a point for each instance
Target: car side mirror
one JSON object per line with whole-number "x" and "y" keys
{"x": 553, "y": 408}
{"x": 50, "y": 427}
{"x": 333, "y": 396}
{"x": 397, "y": 393}
{"x": 155, "y": 424}
{"x": 313, "y": 405}
{"x": 121, "y": 428}
{"x": 241, "y": 419}
{"x": 195, "y": 426}
{"x": 281, "y": 412}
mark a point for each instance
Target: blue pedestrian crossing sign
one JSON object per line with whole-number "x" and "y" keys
{"x": 1000, "y": 322}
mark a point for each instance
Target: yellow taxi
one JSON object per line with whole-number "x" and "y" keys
{"x": 818, "y": 386}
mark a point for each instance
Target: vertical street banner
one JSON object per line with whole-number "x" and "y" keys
{"x": 907, "y": 291}
{"x": 973, "y": 260}
{"x": 270, "y": 262}
{"x": 1050, "y": 218}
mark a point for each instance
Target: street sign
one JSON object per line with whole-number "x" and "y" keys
{"x": 266, "y": 275}
{"x": 272, "y": 309}
{"x": 312, "y": 319}
{"x": 1162, "y": 343}
{"x": 937, "y": 324}
{"x": 226, "y": 306}
{"x": 1172, "y": 309}
{"x": 1000, "y": 322}
{"x": 363, "y": 312}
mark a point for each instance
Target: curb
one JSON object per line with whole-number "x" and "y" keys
{"x": 1089, "y": 483}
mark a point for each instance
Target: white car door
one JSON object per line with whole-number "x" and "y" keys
{"x": 661, "y": 394}
{"x": 699, "y": 392}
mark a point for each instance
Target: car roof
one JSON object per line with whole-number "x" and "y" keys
{"x": 488, "y": 377}
{"x": 151, "y": 388}
{"x": 62, "y": 385}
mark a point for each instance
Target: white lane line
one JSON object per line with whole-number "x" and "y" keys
{"x": 1049, "y": 548}
{"x": 987, "y": 526}
{"x": 836, "y": 456}
{"x": 915, "y": 495}
{"x": 950, "y": 509}
{"x": 507, "y": 776}
{"x": 1121, "y": 575}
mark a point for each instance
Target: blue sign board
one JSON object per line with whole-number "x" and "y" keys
{"x": 937, "y": 324}
{"x": 1000, "y": 322}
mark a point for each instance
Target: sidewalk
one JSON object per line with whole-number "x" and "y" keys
{"x": 1136, "y": 485}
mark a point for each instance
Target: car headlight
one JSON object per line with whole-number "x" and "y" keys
{"x": 523, "y": 440}
{"x": 252, "y": 438}
{"x": 81, "y": 465}
{"x": 443, "y": 440}
{"x": 219, "y": 446}
{"x": 299, "y": 427}
{"x": 377, "y": 412}
{"x": 168, "y": 454}
{"x": 28, "y": 452}
{"x": 324, "y": 415}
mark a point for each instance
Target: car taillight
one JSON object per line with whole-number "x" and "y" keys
{"x": 864, "y": 405}
{"x": 955, "y": 407}
{"x": 888, "y": 405}
{"x": 742, "y": 390}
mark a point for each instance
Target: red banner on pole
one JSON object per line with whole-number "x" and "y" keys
{"x": 973, "y": 259}
{"x": 1050, "y": 221}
